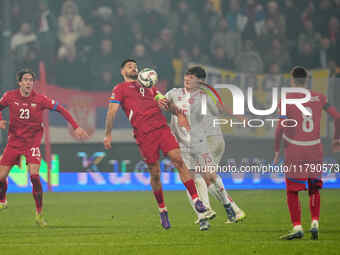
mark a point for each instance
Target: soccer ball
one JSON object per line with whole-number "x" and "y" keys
{"x": 147, "y": 77}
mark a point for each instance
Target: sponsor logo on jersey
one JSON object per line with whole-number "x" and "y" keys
{"x": 34, "y": 105}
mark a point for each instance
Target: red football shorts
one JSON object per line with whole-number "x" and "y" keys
{"x": 11, "y": 155}
{"x": 151, "y": 143}
{"x": 303, "y": 184}
{"x": 305, "y": 167}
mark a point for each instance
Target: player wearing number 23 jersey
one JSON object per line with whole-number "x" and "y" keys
{"x": 24, "y": 135}
{"x": 25, "y": 125}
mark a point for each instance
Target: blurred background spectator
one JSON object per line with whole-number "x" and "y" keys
{"x": 71, "y": 26}
{"x": 83, "y": 42}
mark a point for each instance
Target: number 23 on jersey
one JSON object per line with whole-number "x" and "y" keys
{"x": 24, "y": 113}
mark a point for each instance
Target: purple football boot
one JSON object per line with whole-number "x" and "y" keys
{"x": 165, "y": 219}
{"x": 199, "y": 206}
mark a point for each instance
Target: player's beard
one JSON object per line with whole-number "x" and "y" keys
{"x": 132, "y": 75}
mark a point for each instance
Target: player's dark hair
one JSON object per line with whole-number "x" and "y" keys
{"x": 22, "y": 72}
{"x": 127, "y": 61}
{"x": 299, "y": 75}
{"x": 197, "y": 71}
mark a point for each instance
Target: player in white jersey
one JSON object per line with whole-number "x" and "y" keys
{"x": 193, "y": 144}
{"x": 216, "y": 146}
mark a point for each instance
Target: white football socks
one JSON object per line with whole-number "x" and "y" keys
{"x": 233, "y": 204}
{"x": 202, "y": 190}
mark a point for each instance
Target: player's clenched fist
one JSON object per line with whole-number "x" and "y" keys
{"x": 107, "y": 142}
{"x": 3, "y": 124}
{"x": 80, "y": 134}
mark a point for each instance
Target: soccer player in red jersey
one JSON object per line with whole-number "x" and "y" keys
{"x": 25, "y": 132}
{"x": 151, "y": 132}
{"x": 303, "y": 153}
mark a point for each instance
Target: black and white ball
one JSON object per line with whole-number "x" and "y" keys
{"x": 147, "y": 77}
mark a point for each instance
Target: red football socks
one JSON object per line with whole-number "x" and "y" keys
{"x": 160, "y": 199}
{"x": 314, "y": 205}
{"x": 294, "y": 207}
{"x": 190, "y": 185}
{"x": 37, "y": 192}
{"x": 3, "y": 191}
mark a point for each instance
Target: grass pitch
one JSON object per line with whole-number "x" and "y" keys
{"x": 128, "y": 223}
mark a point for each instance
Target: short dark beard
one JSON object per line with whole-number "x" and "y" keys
{"x": 132, "y": 77}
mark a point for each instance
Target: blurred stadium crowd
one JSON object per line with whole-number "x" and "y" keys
{"x": 83, "y": 42}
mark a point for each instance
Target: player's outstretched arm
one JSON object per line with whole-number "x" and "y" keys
{"x": 110, "y": 116}
{"x": 78, "y": 131}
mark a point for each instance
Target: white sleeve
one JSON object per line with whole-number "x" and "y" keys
{"x": 170, "y": 94}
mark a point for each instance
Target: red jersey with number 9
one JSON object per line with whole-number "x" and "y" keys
{"x": 139, "y": 106}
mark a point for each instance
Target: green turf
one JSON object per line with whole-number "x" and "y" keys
{"x": 128, "y": 223}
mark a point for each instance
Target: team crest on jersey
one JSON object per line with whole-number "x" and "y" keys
{"x": 191, "y": 100}
{"x": 179, "y": 98}
{"x": 34, "y": 105}
{"x": 84, "y": 112}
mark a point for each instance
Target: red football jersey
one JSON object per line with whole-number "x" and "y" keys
{"x": 308, "y": 127}
{"x": 139, "y": 106}
{"x": 307, "y": 130}
{"x": 26, "y": 115}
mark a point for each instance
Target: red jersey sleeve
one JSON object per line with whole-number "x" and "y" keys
{"x": 53, "y": 105}
{"x": 48, "y": 103}
{"x": 4, "y": 101}
{"x": 117, "y": 95}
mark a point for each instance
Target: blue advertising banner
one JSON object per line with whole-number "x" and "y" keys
{"x": 140, "y": 181}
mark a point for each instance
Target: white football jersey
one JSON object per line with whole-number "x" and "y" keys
{"x": 191, "y": 104}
